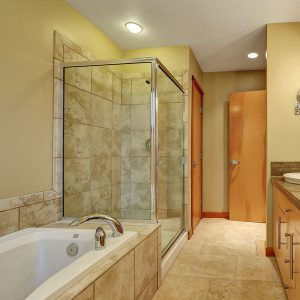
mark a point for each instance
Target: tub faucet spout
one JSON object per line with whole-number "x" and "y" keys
{"x": 114, "y": 224}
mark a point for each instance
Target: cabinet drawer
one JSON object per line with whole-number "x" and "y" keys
{"x": 291, "y": 211}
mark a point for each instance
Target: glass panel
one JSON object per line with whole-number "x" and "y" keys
{"x": 106, "y": 141}
{"x": 170, "y": 157}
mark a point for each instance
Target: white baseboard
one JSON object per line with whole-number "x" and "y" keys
{"x": 172, "y": 253}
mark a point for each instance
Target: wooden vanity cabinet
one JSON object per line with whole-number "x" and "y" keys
{"x": 286, "y": 242}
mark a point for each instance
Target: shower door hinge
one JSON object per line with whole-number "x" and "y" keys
{"x": 183, "y": 160}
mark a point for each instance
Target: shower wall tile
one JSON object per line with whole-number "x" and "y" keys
{"x": 125, "y": 170}
{"x": 101, "y": 112}
{"x": 140, "y": 169}
{"x": 175, "y": 115}
{"x": 163, "y": 169}
{"x": 57, "y": 172}
{"x": 175, "y": 195}
{"x": 175, "y": 170}
{"x": 125, "y": 195}
{"x": 162, "y": 196}
{"x": 163, "y": 116}
{"x": 163, "y": 147}
{"x": 116, "y": 143}
{"x": 126, "y": 117}
{"x": 57, "y": 137}
{"x": 101, "y": 142}
{"x": 136, "y": 214}
{"x": 77, "y": 176}
{"x": 116, "y": 116}
{"x": 79, "y": 77}
{"x": 140, "y": 117}
{"x": 175, "y": 147}
{"x": 78, "y": 204}
{"x": 116, "y": 170}
{"x": 71, "y": 55}
{"x": 77, "y": 140}
{"x": 125, "y": 143}
{"x": 185, "y": 116}
{"x": 57, "y": 69}
{"x": 140, "y": 91}
{"x": 126, "y": 91}
{"x": 100, "y": 172}
{"x": 102, "y": 80}
{"x": 138, "y": 143}
{"x": 101, "y": 200}
{"x": 140, "y": 196}
{"x": 117, "y": 90}
{"x": 77, "y": 105}
{"x": 115, "y": 199}
{"x": 58, "y": 46}
{"x": 57, "y": 98}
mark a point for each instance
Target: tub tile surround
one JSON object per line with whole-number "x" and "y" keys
{"x": 215, "y": 264}
{"x": 116, "y": 278}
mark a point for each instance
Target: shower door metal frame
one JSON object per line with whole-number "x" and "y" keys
{"x": 155, "y": 65}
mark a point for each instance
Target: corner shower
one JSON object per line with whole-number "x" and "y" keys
{"x": 123, "y": 143}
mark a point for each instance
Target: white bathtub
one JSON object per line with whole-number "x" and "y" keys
{"x": 34, "y": 263}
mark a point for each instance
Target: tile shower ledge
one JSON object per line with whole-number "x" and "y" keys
{"x": 143, "y": 231}
{"x": 292, "y": 191}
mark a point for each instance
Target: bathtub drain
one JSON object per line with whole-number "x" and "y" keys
{"x": 72, "y": 249}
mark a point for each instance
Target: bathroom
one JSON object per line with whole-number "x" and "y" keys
{"x": 120, "y": 174}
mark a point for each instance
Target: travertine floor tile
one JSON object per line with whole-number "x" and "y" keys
{"x": 205, "y": 266}
{"x": 232, "y": 247}
{"x": 262, "y": 290}
{"x": 224, "y": 260}
{"x": 179, "y": 288}
{"x": 256, "y": 268}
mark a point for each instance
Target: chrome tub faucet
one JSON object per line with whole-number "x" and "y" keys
{"x": 114, "y": 224}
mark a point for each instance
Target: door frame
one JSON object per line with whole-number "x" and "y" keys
{"x": 198, "y": 87}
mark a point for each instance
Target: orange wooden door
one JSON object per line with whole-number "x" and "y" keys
{"x": 247, "y": 156}
{"x": 196, "y": 153}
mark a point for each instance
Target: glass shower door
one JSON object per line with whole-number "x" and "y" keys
{"x": 170, "y": 159}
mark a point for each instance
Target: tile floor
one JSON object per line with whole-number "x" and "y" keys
{"x": 224, "y": 260}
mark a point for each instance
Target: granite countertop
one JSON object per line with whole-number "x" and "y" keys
{"x": 292, "y": 191}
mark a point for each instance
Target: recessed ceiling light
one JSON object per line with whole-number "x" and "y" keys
{"x": 134, "y": 27}
{"x": 253, "y": 55}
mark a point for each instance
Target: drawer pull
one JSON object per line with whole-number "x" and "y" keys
{"x": 287, "y": 210}
{"x": 286, "y": 287}
{"x": 291, "y": 260}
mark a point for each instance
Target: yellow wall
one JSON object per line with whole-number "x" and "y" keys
{"x": 283, "y": 82}
{"x": 174, "y": 58}
{"x": 217, "y": 87}
{"x": 26, "y": 86}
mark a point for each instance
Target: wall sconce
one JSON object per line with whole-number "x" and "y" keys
{"x": 297, "y": 106}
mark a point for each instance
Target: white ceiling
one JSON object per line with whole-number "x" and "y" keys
{"x": 220, "y": 32}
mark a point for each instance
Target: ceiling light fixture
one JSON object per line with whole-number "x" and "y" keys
{"x": 134, "y": 27}
{"x": 253, "y": 55}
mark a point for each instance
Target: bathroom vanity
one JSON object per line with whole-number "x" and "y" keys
{"x": 286, "y": 234}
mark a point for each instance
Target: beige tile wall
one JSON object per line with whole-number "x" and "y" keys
{"x": 92, "y": 123}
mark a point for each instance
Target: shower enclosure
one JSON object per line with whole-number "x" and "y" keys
{"x": 123, "y": 142}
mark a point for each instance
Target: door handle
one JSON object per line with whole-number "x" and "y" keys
{"x": 194, "y": 164}
{"x": 234, "y": 162}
